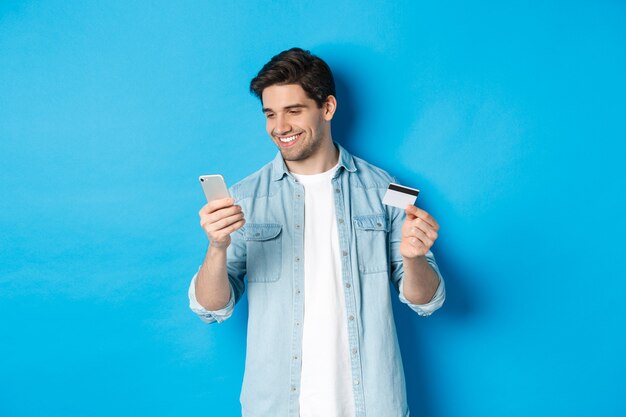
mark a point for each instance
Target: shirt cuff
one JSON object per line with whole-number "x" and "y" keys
{"x": 434, "y": 304}
{"x": 205, "y": 315}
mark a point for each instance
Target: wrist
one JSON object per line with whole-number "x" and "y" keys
{"x": 217, "y": 249}
{"x": 414, "y": 259}
{"x": 416, "y": 263}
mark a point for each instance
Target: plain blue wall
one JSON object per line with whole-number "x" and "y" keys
{"x": 509, "y": 116}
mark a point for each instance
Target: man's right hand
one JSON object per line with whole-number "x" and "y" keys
{"x": 219, "y": 219}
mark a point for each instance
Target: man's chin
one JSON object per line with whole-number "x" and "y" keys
{"x": 292, "y": 156}
{"x": 299, "y": 152}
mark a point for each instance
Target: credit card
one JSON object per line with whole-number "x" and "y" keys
{"x": 400, "y": 196}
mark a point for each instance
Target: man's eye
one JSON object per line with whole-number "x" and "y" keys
{"x": 294, "y": 111}
{"x": 269, "y": 115}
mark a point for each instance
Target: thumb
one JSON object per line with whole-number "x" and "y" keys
{"x": 410, "y": 212}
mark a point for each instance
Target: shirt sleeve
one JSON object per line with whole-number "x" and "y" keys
{"x": 440, "y": 295}
{"x": 205, "y": 315}
{"x": 397, "y": 217}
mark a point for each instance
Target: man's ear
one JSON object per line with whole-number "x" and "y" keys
{"x": 329, "y": 107}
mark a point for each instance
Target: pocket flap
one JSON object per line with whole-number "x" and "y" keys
{"x": 259, "y": 231}
{"x": 372, "y": 222}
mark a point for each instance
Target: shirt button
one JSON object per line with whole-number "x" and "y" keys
{"x": 298, "y": 196}
{"x": 351, "y": 318}
{"x": 356, "y": 382}
{"x": 295, "y": 357}
{"x": 297, "y": 226}
{"x": 348, "y": 285}
{"x": 337, "y": 190}
{"x": 378, "y": 224}
{"x": 293, "y": 388}
{"x": 257, "y": 234}
{"x": 344, "y": 253}
{"x": 354, "y": 351}
{"x": 297, "y": 292}
{"x": 340, "y": 221}
{"x": 297, "y": 323}
{"x": 297, "y": 259}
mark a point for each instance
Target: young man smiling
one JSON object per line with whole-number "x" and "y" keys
{"x": 319, "y": 249}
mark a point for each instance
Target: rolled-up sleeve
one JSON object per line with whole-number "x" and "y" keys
{"x": 205, "y": 315}
{"x": 440, "y": 295}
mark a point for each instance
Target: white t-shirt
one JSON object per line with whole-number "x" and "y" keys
{"x": 326, "y": 382}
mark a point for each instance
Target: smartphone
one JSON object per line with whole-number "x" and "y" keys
{"x": 214, "y": 187}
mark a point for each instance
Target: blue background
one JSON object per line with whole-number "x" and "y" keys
{"x": 509, "y": 116}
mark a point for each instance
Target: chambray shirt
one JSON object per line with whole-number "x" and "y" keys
{"x": 269, "y": 250}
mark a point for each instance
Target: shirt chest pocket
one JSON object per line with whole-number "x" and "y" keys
{"x": 371, "y": 242}
{"x": 264, "y": 251}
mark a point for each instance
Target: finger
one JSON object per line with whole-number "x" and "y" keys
{"x": 225, "y": 222}
{"x": 417, "y": 245}
{"x": 222, "y": 220}
{"x": 414, "y": 247}
{"x": 230, "y": 229}
{"x": 221, "y": 203}
{"x": 223, "y": 213}
{"x": 211, "y": 206}
{"x": 429, "y": 230}
{"x": 420, "y": 239}
{"x": 422, "y": 214}
{"x": 410, "y": 213}
{"x": 236, "y": 226}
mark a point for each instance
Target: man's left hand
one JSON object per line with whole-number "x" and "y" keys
{"x": 419, "y": 232}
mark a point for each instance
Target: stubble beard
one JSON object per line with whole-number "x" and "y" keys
{"x": 307, "y": 149}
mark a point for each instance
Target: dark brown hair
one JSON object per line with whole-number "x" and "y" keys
{"x": 296, "y": 66}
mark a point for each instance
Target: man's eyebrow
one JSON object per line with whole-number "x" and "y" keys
{"x": 290, "y": 107}
{"x": 295, "y": 106}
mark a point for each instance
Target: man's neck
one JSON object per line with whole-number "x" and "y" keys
{"x": 323, "y": 160}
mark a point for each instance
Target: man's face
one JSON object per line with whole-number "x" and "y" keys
{"x": 294, "y": 122}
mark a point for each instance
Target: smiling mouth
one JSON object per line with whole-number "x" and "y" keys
{"x": 289, "y": 139}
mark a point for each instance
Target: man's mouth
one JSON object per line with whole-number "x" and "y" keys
{"x": 288, "y": 140}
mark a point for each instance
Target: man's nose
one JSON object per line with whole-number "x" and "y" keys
{"x": 282, "y": 125}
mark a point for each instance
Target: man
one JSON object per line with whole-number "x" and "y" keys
{"x": 319, "y": 249}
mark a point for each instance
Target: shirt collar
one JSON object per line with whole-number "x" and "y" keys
{"x": 279, "y": 168}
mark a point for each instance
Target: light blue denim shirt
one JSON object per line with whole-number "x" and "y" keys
{"x": 269, "y": 250}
